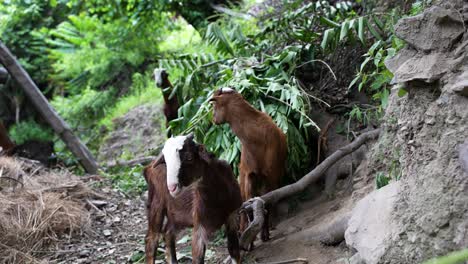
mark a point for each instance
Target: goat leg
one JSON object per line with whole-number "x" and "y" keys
{"x": 171, "y": 256}
{"x": 232, "y": 238}
{"x": 152, "y": 236}
{"x": 198, "y": 245}
{"x": 265, "y": 235}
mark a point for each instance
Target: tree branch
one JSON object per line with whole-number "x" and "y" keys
{"x": 49, "y": 114}
{"x": 257, "y": 204}
{"x": 142, "y": 161}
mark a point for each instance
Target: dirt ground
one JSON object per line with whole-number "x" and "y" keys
{"x": 284, "y": 245}
{"x": 118, "y": 229}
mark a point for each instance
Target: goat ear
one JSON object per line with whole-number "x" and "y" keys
{"x": 190, "y": 136}
{"x": 214, "y": 99}
{"x": 201, "y": 149}
{"x": 160, "y": 160}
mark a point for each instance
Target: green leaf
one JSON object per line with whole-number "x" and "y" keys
{"x": 344, "y": 30}
{"x": 374, "y": 32}
{"x": 381, "y": 180}
{"x": 353, "y": 82}
{"x": 328, "y": 22}
{"x": 378, "y": 57}
{"x": 363, "y": 65}
{"x": 390, "y": 53}
{"x": 360, "y": 31}
{"x": 452, "y": 258}
{"x": 379, "y": 23}
{"x": 374, "y": 47}
{"x": 402, "y": 92}
{"x": 384, "y": 98}
{"x": 327, "y": 38}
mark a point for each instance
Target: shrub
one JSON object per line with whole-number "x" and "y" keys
{"x": 29, "y": 130}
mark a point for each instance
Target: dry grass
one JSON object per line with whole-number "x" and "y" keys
{"x": 37, "y": 207}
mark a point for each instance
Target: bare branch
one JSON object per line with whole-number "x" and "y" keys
{"x": 61, "y": 128}
{"x": 133, "y": 162}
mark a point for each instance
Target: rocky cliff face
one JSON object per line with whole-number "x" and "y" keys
{"x": 423, "y": 145}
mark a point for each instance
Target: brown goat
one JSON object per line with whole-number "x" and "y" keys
{"x": 190, "y": 187}
{"x": 171, "y": 105}
{"x": 6, "y": 145}
{"x": 264, "y": 147}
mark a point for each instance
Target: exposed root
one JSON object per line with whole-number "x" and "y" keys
{"x": 298, "y": 260}
{"x": 322, "y": 141}
{"x": 257, "y": 204}
{"x": 330, "y": 235}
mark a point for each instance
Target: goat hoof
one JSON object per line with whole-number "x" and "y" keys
{"x": 265, "y": 237}
{"x": 251, "y": 247}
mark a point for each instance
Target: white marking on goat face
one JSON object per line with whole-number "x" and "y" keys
{"x": 173, "y": 163}
{"x": 157, "y": 74}
{"x": 227, "y": 90}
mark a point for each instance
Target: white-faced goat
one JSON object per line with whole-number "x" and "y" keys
{"x": 190, "y": 187}
{"x": 171, "y": 104}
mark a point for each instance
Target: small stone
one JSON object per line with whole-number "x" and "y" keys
{"x": 84, "y": 253}
{"x": 107, "y": 232}
{"x": 116, "y": 219}
{"x": 430, "y": 121}
{"x": 461, "y": 88}
{"x": 452, "y": 119}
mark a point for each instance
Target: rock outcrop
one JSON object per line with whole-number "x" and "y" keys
{"x": 422, "y": 145}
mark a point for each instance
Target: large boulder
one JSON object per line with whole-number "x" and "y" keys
{"x": 371, "y": 224}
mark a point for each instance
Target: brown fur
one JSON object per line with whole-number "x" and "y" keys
{"x": 5, "y": 143}
{"x": 171, "y": 105}
{"x": 210, "y": 200}
{"x": 264, "y": 147}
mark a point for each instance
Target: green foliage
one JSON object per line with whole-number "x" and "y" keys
{"x": 95, "y": 58}
{"x": 381, "y": 180}
{"x": 29, "y": 130}
{"x": 393, "y": 167}
{"x": 83, "y": 109}
{"x": 129, "y": 180}
{"x": 457, "y": 257}
{"x": 89, "y": 52}
{"x": 270, "y": 85}
{"x": 20, "y": 27}
{"x": 142, "y": 92}
{"x": 373, "y": 77}
{"x": 418, "y": 7}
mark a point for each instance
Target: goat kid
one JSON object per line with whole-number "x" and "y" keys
{"x": 264, "y": 147}
{"x": 190, "y": 187}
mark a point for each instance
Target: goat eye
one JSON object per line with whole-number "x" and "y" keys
{"x": 188, "y": 156}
